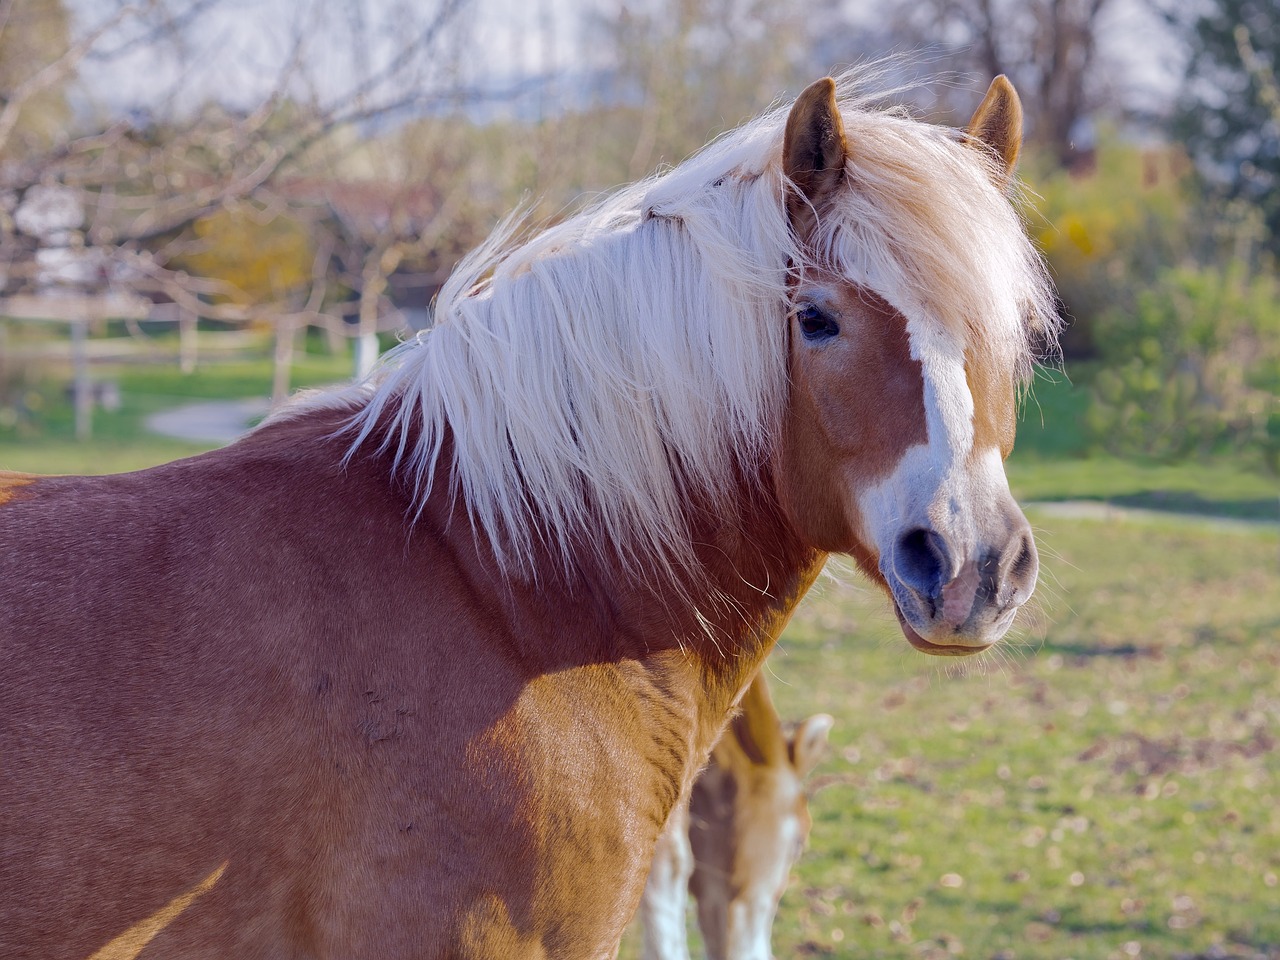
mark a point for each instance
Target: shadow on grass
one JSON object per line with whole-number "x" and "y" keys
{"x": 1081, "y": 651}
{"x": 1185, "y": 501}
{"x": 1212, "y": 488}
{"x": 1069, "y": 919}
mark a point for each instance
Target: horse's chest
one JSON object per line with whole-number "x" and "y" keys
{"x": 527, "y": 826}
{"x": 584, "y": 789}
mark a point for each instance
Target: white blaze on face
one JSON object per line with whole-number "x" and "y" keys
{"x": 939, "y": 484}
{"x": 948, "y": 405}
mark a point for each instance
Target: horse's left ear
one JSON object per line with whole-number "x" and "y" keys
{"x": 757, "y": 728}
{"x": 810, "y": 742}
{"x": 813, "y": 152}
{"x": 997, "y": 124}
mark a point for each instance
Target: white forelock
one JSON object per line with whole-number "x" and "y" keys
{"x": 592, "y": 378}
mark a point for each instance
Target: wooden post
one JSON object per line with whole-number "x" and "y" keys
{"x": 379, "y": 265}
{"x": 187, "y": 324}
{"x": 334, "y": 334}
{"x": 366, "y": 354}
{"x": 283, "y": 359}
{"x": 83, "y": 396}
{"x": 77, "y": 312}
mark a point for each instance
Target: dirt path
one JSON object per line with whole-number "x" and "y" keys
{"x": 209, "y": 421}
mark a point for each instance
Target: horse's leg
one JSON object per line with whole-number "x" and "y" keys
{"x": 666, "y": 894}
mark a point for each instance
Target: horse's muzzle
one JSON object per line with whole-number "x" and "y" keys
{"x": 953, "y": 604}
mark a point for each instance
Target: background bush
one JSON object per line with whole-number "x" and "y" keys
{"x": 1110, "y": 226}
{"x": 1192, "y": 368}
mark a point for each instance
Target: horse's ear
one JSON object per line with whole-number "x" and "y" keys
{"x": 757, "y": 728}
{"x": 813, "y": 152}
{"x": 997, "y": 124}
{"x": 810, "y": 742}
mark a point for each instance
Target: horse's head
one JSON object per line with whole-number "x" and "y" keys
{"x": 905, "y": 357}
{"x": 748, "y": 822}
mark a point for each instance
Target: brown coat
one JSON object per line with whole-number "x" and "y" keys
{"x": 251, "y": 660}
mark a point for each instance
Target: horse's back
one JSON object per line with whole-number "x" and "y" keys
{"x": 160, "y": 632}
{"x": 175, "y": 696}
{"x": 244, "y": 700}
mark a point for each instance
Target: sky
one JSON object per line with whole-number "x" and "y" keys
{"x": 236, "y": 51}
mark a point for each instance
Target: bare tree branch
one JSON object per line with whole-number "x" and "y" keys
{"x": 54, "y": 72}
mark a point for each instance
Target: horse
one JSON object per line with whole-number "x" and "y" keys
{"x": 733, "y": 846}
{"x": 421, "y": 668}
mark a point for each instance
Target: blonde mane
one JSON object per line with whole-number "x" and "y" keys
{"x": 588, "y": 381}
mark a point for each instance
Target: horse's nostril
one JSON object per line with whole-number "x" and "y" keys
{"x": 1025, "y": 563}
{"x": 921, "y": 561}
{"x": 1021, "y": 570}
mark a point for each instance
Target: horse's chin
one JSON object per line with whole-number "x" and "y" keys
{"x": 936, "y": 649}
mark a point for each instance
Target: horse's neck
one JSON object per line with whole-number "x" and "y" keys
{"x": 758, "y": 573}
{"x": 702, "y": 638}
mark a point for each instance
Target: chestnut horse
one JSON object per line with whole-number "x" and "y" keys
{"x": 422, "y": 669}
{"x": 733, "y": 846}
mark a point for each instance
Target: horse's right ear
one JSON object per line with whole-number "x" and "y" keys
{"x": 813, "y": 152}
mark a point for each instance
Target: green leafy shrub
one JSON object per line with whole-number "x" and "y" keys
{"x": 1110, "y": 228}
{"x": 1192, "y": 369}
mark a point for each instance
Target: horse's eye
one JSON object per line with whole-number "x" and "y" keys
{"x": 814, "y": 324}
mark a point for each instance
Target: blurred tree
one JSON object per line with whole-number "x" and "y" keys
{"x": 1110, "y": 235}
{"x": 1048, "y": 48}
{"x": 1192, "y": 368}
{"x": 261, "y": 257}
{"x": 35, "y": 67}
{"x": 197, "y": 203}
{"x": 409, "y": 202}
{"x": 695, "y": 68}
{"x": 1229, "y": 113}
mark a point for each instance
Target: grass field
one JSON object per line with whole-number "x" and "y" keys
{"x": 44, "y": 440}
{"x": 1105, "y": 785}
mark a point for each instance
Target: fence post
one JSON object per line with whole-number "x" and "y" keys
{"x": 187, "y": 324}
{"x": 283, "y": 359}
{"x": 82, "y": 392}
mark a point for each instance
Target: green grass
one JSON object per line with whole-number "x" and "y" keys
{"x": 1109, "y": 779}
{"x": 44, "y": 441}
{"x": 1053, "y": 460}
{"x": 1052, "y": 422}
{"x": 1223, "y": 489}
